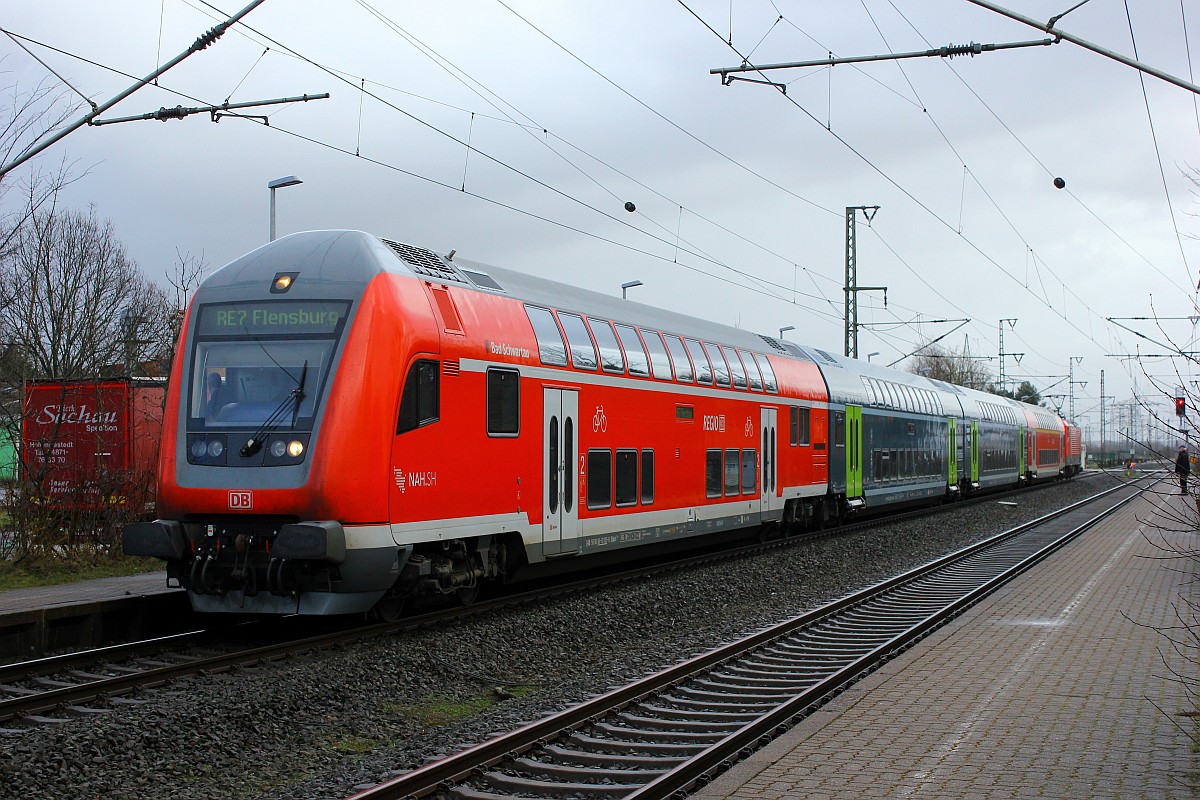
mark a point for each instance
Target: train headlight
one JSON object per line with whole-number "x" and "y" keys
{"x": 199, "y": 448}
{"x": 278, "y": 448}
{"x": 295, "y": 448}
{"x": 215, "y": 448}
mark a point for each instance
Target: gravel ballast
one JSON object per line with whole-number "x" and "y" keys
{"x": 320, "y": 725}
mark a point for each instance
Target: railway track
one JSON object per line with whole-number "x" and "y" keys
{"x": 49, "y": 690}
{"x": 658, "y": 737}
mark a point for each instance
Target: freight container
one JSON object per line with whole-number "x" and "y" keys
{"x": 92, "y": 444}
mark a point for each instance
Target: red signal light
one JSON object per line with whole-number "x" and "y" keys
{"x": 1180, "y": 406}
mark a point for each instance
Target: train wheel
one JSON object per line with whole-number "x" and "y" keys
{"x": 387, "y": 609}
{"x": 468, "y": 595}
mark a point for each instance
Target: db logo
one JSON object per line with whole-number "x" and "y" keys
{"x": 241, "y": 501}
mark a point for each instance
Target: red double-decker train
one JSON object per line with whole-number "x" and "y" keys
{"x": 352, "y": 421}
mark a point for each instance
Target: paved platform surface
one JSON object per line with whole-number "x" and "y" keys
{"x": 1062, "y": 684}
{"x": 16, "y": 601}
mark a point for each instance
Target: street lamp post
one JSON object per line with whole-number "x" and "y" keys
{"x": 871, "y": 355}
{"x": 279, "y": 183}
{"x": 627, "y": 286}
{"x": 785, "y": 329}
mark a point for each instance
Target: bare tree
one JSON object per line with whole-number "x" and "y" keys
{"x": 953, "y": 366}
{"x": 72, "y": 300}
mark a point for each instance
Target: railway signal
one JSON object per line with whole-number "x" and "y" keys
{"x": 1180, "y": 405}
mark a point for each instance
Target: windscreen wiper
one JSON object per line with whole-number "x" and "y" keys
{"x": 294, "y": 398}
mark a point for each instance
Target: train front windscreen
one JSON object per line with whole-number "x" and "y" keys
{"x": 260, "y": 366}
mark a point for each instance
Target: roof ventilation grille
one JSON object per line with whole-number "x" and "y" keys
{"x": 425, "y": 262}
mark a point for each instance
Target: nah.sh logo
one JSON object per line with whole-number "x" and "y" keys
{"x": 241, "y": 501}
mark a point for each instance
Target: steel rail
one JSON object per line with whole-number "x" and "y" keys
{"x": 33, "y": 702}
{"x": 444, "y": 774}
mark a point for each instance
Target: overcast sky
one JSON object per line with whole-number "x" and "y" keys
{"x": 573, "y": 108}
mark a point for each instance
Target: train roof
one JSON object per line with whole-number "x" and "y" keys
{"x": 353, "y": 258}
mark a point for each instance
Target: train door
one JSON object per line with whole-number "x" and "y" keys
{"x": 953, "y": 471}
{"x": 974, "y": 453}
{"x": 854, "y": 476}
{"x": 1021, "y": 457}
{"x": 560, "y": 449}
{"x": 769, "y": 502}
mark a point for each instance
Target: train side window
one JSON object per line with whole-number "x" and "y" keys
{"x": 794, "y": 425}
{"x": 839, "y": 429}
{"x": 749, "y": 471}
{"x": 804, "y": 427}
{"x": 611, "y": 359}
{"x": 647, "y": 477}
{"x": 679, "y": 356}
{"x": 627, "y": 478}
{"x": 635, "y": 354}
{"x": 768, "y": 374}
{"x": 599, "y": 478}
{"x": 551, "y": 348}
{"x": 712, "y": 473}
{"x": 704, "y": 370}
{"x": 503, "y": 402}
{"x": 420, "y": 401}
{"x": 756, "y": 383}
{"x": 660, "y": 362}
{"x": 735, "y": 369}
{"x": 583, "y": 350}
{"x": 720, "y": 368}
{"x": 731, "y": 472}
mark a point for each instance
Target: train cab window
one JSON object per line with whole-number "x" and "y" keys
{"x": 712, "y": 473}
{"x": 647, "y": 477}
{"x": 679, "y": 357}
{"x": 752, "y": 373}
{"x": 626, "y": 483}
{"x": 800, "y": 425}
{"x": 732, "y": 477}
{"x": 419, "y": 402}
{"x": 583, "y": 350}
{"x": 599, "y": 478}
{"x": 611, "y": 358}
{"x": 660, "y": 362}
{"x": 768, "y": 374}
{"x": 703, "y": 368}
{"x": 749, "y": 471}
{"x": 503, "y": 402}
{"x": 551, "y": 348}
{"x": 635, "y": 354}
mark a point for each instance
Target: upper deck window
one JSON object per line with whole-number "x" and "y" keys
{"x": 611, "y": 359}
{"x": 550, "y": 342}
{"x": 735, "y": 368}
{"x": 703, "y": 368}
{"x": 768, "y": 374}
{"x": 679, "y": 356}
{"x": 755, "y": 377}
{"x": 659, "y": 360}
{"x": 635, "y": 354}
{"x": 583, "y": 351}
{"x": 720, "y": 368}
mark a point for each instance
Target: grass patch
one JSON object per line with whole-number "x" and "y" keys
{"x": 20, "y": 576}
{"x": 444, "y": 710}
{"x": 353, "y": 745}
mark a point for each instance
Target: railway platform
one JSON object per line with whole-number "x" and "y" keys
{"x": 1061, "y": 684}
{"x": 90, "y": 613}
